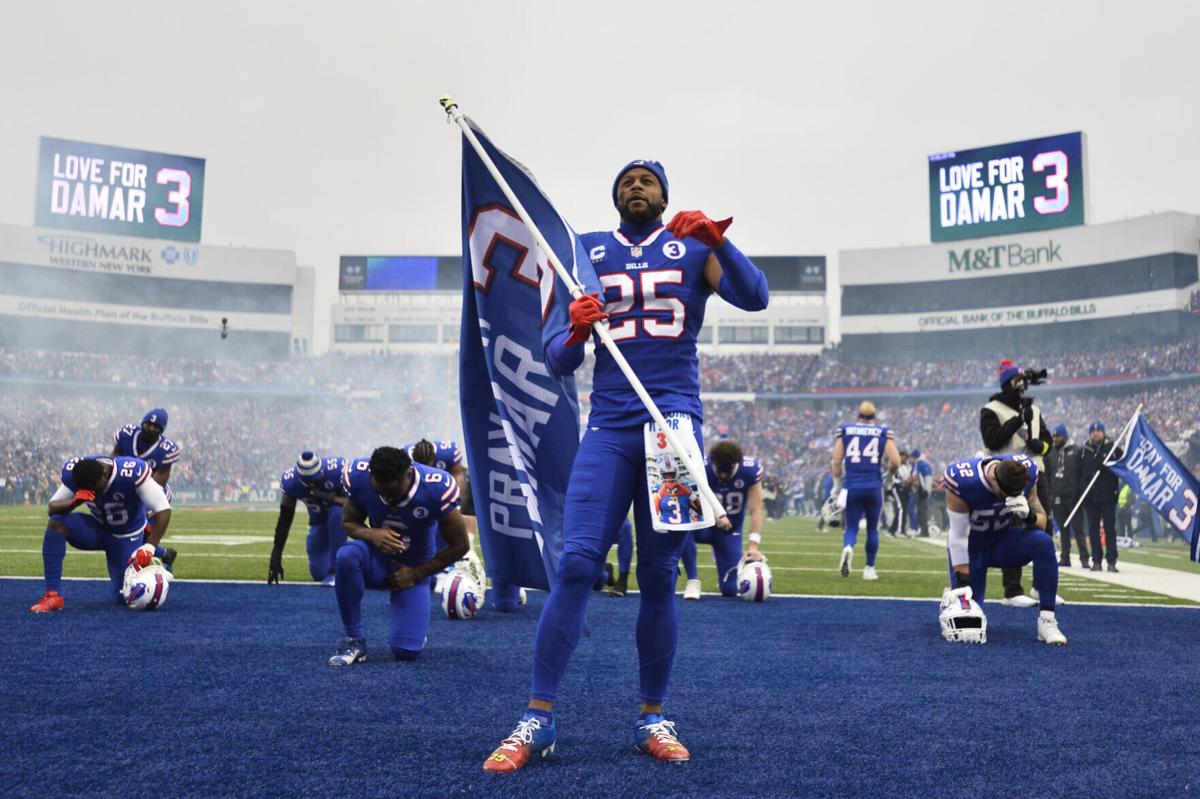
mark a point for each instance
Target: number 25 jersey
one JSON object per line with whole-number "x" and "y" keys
{"x": 655, "y": 294}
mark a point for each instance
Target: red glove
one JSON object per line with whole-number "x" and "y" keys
{"x": 141, "y": 557}
{"x": 699, "y": 226}
{"x": 585, "y": 311}
{"x": 82, "y": 497}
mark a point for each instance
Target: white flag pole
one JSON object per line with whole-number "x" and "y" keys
{"x": 1126, "y": 431}
{"x": 601, "y": 327}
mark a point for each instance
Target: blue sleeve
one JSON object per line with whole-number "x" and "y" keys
{"x": 562, "y": 359}
{"x": 742, "y": 283}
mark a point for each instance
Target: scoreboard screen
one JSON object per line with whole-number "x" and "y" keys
{"x": 399, "y": 273}
{"x": 1035, "y": 184}
{"x": 121, "y": 192}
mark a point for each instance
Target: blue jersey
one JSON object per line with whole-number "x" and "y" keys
{"x": 128, "y": 442}
{"x": 674, "y": 505}
{"x": 447, "y": 454}
{"x": 329, "y": 481}
{"x": 989, "y": 515}
{"x": 654, "y": 293}
{"x": 433, "y": 494}
{"x": 733, "y": 493}
{"x": 118, "y": 506}
{"x": 863, "y": 445}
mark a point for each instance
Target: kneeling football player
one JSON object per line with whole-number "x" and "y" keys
{"x": 402, "y": 501}
{"x": 737, "y": 482}
{"x": 994, "y": 498}
{"x": 119, "y": 493}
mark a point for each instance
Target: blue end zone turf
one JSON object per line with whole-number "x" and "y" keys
{"x": 225, "y": 692}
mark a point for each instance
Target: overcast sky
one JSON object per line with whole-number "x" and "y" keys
{"x": 809, "y": 123}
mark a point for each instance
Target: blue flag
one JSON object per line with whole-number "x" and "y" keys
{"x": 1157, "y": 476}
{"x": 520, "y": 420}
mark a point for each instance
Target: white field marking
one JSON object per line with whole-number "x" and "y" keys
{"x": 930, "y": 600}
{"x": 219, "y": 540}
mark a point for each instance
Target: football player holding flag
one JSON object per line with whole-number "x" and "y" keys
{"x": 656, "y": 281}
{"x": 996, "y": 520}
{"x": 737, "y": 482}
{"x": 402, "y": 501}
{"x": 859, "y": 451}
{"x": 118, "y": 493}
{"x": 148, "y": 442}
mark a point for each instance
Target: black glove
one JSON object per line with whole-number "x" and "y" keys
{"x": 275, "y": 574}
{"x": 961, "y": 580}
{"x": 1027, "y": 412}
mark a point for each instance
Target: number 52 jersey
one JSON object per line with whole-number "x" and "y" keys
{"x": 990, "y": 515}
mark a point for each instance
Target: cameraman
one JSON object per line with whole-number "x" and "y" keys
{"x": 1011, "y": 424}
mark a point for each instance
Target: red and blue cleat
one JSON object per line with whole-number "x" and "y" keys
{"x": 656, "y": 736}
{"x": 534, "y": 735}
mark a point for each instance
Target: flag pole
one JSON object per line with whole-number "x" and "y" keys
{"x": 601, "y": 328}
{"x": 1125, "y": 432}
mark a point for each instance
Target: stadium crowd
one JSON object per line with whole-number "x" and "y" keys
{"x": 239, "y": 424}
{"x": 783, "y": 374}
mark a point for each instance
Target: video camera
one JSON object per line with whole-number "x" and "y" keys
{"x": 1034, "y": 377}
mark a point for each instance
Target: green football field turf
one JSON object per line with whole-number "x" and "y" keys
{"x": 235, "y": 544}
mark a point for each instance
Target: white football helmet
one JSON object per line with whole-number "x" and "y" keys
{"x": 146, "y": 588}
{"x": 754, "y": 580}
{"x": 961, "y": 617}
{"x": 831, "y": 512}
{"x": 472, "y": 564}
{"x": 462, "y": 597}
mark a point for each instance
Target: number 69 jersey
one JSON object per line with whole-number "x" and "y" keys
{"x": 433, "y": 494}
{"x": 863, "y": 445}
{"x": 733, "y": 494}
{"x": 655, "y": 294}
{"x": 989, "y": 515}
{"x": 120, "y": 507}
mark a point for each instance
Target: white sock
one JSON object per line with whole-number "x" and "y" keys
{"x": 1046, "y": 614}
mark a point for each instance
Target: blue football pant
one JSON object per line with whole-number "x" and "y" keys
{"x": 726, "y": 550}
{"x": 609, "y": 473}
{"x": 87, "y": 533}
{"x": 323, "y": 542}
{"x": 361, "y": 566}
{"x": 863, "y": 503}
{"x": 624, "y": 547}
{"x": 1012, "y": 550}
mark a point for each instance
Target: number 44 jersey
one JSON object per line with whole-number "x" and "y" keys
{"x": 863, "y": 446}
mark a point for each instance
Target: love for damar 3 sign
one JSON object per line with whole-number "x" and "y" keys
{"x": 114, "y": 190}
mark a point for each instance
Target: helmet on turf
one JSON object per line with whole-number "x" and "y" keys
{"x": 754, "y": 580}
{"x": 472, "y": 565}
{"x": 831, "y": 512}
{"x": 146, "y": 588}
{"x": 961, "y": 617}
{"x": 462, "y": 596}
